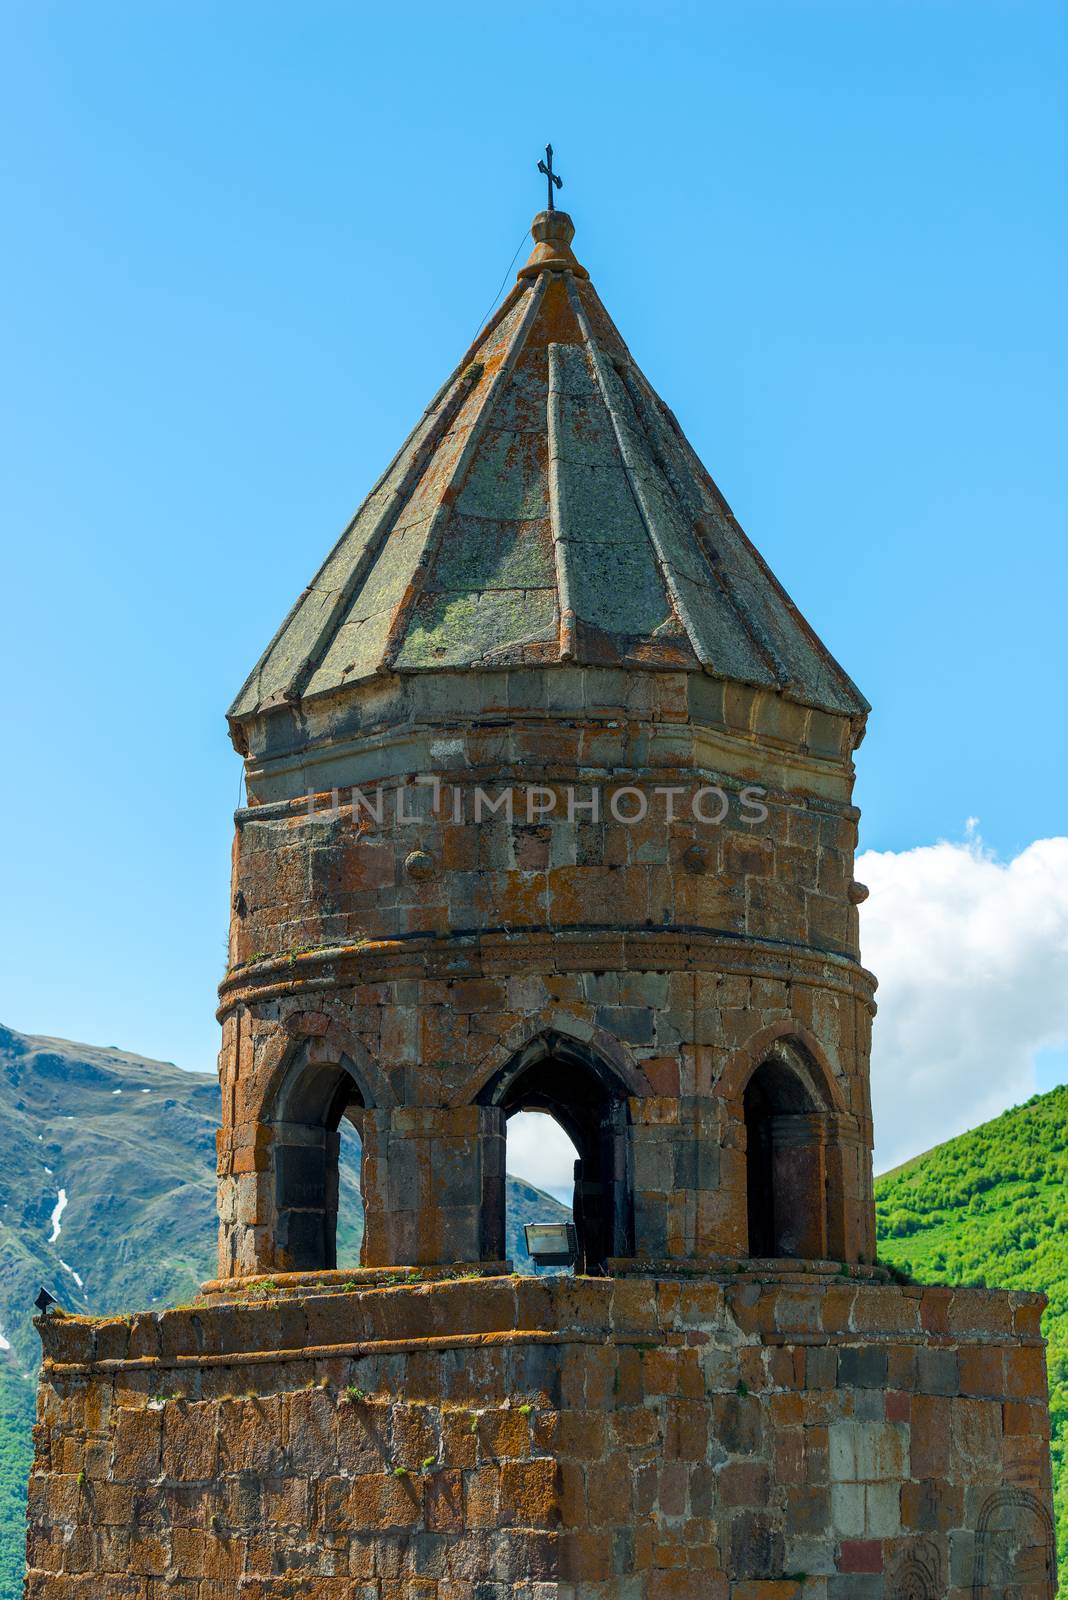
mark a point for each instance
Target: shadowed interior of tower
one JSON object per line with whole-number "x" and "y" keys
{"x": 313, "y": 1101}
{"x": 788, "y": 1203}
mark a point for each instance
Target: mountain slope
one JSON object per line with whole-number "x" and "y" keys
{"x": 991, "y": 1207}
{"x": 106, "y": 1180}
{"x": 107, "y": 1196}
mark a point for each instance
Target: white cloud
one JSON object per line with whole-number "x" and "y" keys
{"x": 971, "y": 954}
{"x": 540, "y": 1151}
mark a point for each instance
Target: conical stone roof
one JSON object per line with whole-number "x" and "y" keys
{"x": 546, "y": 508}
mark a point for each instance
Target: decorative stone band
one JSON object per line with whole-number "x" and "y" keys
{"x": 678, "y": 752}
{"x": 354, "y": 1350}
{"x": 535, "y": 950}
{"x": 350, "y": 738}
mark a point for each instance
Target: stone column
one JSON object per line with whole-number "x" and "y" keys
{"x": 677, "y": 1176}
{"x": 799, "y": 1184}
{"x": 849, "y": 1192}
{"x": 433, "y": 1186}
{"x": 305, "y": 1196}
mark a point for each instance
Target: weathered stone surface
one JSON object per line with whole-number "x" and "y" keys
{"x": 559, "y": 1446}
{"x": 571, "y": 932}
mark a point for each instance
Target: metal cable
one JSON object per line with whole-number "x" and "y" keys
{"x": 504, "y": 280}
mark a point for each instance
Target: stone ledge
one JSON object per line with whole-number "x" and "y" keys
{"x": 472, "y": 1313}
{"x": 535, "y": 949}
{"x": 512, "y": 1338}
{"x": 344, "y": 1280}
{"x": 754, "y": 1269}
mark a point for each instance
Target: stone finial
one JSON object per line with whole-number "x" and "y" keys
{"x": 553, "y": 232}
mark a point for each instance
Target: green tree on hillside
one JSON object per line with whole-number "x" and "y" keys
{"x": 16, "y": 1451}
{"x": 989, "y": 1209}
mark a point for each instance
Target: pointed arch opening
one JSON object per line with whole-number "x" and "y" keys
{"x": 788, "y": 1201}
{"x": 559, "y": 1077}
{"x": 318, "y": 1163}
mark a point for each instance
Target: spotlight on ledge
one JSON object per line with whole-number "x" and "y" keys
{"x": 551, "y": 1244}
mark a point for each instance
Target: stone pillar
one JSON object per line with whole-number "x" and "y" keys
{"x": 677, "y": 1176}
{"x": 246, "y": 1200}
{"x": 433, "y": 1186}
{"x": 799, "y": 1184}
{"x": 603, "y": 1205}
{"x": 305, "y": 1196}
{"x": 851, "y": 1235}
{"x": 492, "y": 1147}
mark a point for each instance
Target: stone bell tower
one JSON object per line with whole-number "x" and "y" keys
{"x": 628, "y": 896}
{"x": 549, "y": 808}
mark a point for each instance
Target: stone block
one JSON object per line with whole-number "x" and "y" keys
{"x": 847, "y": 1510}
{"x": 867, "y": 1452}
{"x": 862, "y": 1367}
{"x": 937, "y": 1371}
{"x": 136, "y": 1445}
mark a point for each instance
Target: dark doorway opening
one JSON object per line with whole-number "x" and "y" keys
{"x": 590, "y": 1104}
{"x": 317, "y": 1101}
{"x": 785, "y": 1165}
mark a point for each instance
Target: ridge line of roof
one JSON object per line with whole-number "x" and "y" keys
{"x": 635, "y": 382}
{"x": 343, "y": 597}
{"x": 443, "y": 510}
{"x": 512, "y": 298}
{"x": 311, "y": 663}
{"x": 814, "y": 640}
{"x": 637, "y": 495}
{"x": 561, "y": 555}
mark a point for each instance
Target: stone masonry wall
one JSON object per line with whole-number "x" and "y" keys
{"x": 420, "y": 959}
{"x": 338, "y": 875}
{"x": 507, "y": 1439}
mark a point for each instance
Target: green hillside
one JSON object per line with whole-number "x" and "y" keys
{"x": 992, "y": 1208}
{"x": 16, "y": 1420}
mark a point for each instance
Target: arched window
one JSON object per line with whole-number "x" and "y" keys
{"x": 585, "y": 1096}
{"x": 315, "y": 1100}
{"x": 786, "y": 1170}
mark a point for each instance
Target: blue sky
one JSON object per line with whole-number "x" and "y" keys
{"x": 245, "y": 243}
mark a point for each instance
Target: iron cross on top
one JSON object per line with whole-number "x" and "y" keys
{"x": 550, "y": 174}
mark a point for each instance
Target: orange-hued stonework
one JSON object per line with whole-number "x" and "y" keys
{"x": 518, "y": 1440}
{"x": 646, "y": 967}
{"x": 549, "y": 808}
